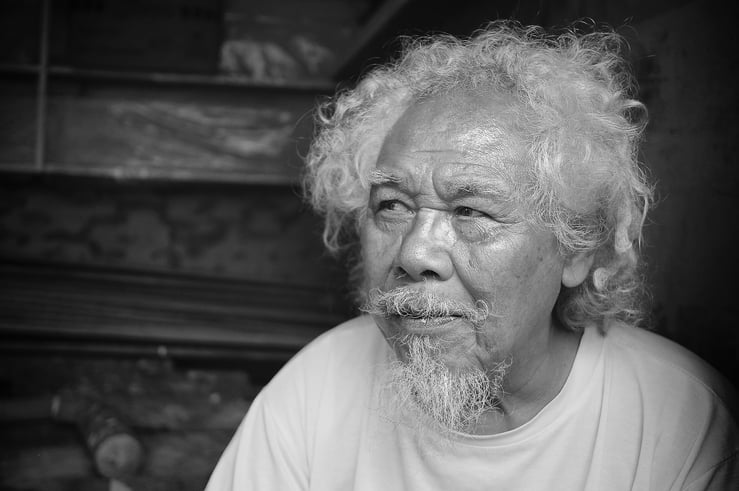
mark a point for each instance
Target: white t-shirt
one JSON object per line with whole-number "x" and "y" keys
{"x": 637, "y": 412}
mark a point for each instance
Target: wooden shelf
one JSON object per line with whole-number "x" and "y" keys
{"x": 178, "y": 132}
{"x": 10, "y": 69}
{"x": 142, "y": 173}
{"x": 215, "y": 80}
{"x": 131, "y": 312}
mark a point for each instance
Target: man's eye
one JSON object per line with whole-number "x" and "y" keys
{"x": 467, "y": 212}
{"x": 391, "y": 205}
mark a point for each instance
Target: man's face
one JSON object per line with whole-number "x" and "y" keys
{"x": 444, "y": 218}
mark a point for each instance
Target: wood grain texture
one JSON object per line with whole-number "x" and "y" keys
{"x": 180, "y": 134}
{"x": 245, "y": 233}
{"x": 122, "y": 308}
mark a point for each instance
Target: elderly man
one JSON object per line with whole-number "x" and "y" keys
{"x": 490, "y": 191}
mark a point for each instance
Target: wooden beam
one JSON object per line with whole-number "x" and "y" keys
{"x": 119, "y": 312}
{"x": 367, "y": 34}
{"x": 43, "y": 76}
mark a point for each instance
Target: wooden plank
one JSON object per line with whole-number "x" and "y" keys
{"x": 107, "y": 283}
{"x": 261, "y": 233}
{"x": 177, "y": 133}
{"x": 315, "y": 84}
{"x": 113, "y": 348}
{"x": 60, "y": 305}
{"x": 17, "y": 123}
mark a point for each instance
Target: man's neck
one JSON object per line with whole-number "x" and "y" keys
{"x": 533, "y": 381}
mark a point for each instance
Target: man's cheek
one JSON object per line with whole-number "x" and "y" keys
{"x": 379, "y": 254}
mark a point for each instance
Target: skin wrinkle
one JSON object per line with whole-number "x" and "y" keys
{"x": 487, "y": 193}
{"x": 453, "y": 400}
{"x": 422, "y": 232}
{"x": 477, "y": 180}
{"x": 571, "y": 105}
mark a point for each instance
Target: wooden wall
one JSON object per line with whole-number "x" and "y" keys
{"x": 234, "y": 231}
{"x": 156, "y": 257}
{"x": 150, "y": 176}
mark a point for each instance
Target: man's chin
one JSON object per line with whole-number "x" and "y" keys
{"x": 450, "y": 399}
{"x": 440, "y": 350}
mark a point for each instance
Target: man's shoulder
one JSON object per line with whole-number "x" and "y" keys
{"x": 352, "y": 343}
{"x": 357, "y": 333}
{"x": 335, "y": 359}
{"x": 680, "y": 409}
{"x": 650, "y": 355}
{"x": 654, "y": 349}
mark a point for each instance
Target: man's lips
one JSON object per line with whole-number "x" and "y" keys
{"x": 425, "y": 325}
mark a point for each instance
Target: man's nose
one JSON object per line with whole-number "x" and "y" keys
{"x": 424, "y": 251}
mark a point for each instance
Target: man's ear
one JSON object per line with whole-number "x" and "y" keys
{"x": 576, "y": 269}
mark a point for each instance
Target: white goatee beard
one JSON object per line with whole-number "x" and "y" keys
{"x": 453, "y": 401}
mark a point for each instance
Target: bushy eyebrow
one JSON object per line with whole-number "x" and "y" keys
{"x": 454, "y": 187}
{"x": 466, "y": 186}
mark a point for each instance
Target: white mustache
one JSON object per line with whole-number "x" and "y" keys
{"x": 418, "y": 304}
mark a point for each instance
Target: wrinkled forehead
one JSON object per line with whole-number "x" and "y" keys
{"x": 467, "y": 138}
{"x": 453, "y": 180}
{"x": 477, "y": 119}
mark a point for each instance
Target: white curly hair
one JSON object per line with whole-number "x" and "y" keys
{"x": 575, "y": 110}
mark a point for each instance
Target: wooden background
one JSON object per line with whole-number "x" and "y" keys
{"x": 152, "y": 235}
